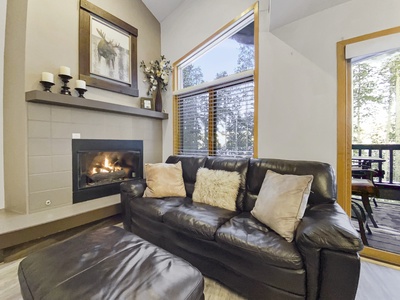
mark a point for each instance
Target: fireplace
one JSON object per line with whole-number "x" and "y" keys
{"x": 99, "y": 166}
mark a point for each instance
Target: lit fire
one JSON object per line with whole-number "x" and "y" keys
{"x": 106, "y": 167}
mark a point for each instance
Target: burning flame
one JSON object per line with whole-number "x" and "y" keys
{"x": 106, "y": 167}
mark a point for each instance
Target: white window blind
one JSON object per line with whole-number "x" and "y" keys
{"x": 218, "y": 119}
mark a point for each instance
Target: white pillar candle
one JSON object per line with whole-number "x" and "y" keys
{"x": 65, "y": 71}
{"x": 48, "y": 77}
{"x": 80, "y": 84}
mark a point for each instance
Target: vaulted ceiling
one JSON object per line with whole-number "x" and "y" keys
{"x": 282, "y": 11}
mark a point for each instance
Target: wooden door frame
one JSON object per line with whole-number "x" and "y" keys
{"x": 344, "y": 135}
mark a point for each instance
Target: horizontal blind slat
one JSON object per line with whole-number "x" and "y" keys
{"x": 232, "y": 120}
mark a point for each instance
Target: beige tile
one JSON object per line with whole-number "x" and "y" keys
{"x": 62, "y": 163}
{"x": 152, "y": 151}
{"x": 38, "y": 129}
{"x": 61, "y": 130}
{"x": 40, "y": 164}
{"x": 111, "y": 132}
{"x": 60, "y": 114}
{"x": 126, "y": 133}
{"x": 62, "y": 180}
{"x": 57, "y": 197}
{"x": 89, "y": 131}
{"x": 40, "y": 182}
{"x": 142, "y": 128}
{"x": 117, "y": 119}
{"x": 38, "y": 112}
{"x": 61, "y": 146}
{"x": 87, "y": 117}
{"x": 50, "y": 181}
{"x": 39, "y": 146}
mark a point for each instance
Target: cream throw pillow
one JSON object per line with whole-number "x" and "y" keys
{"x": 282, "y": 201}
{"x": 164, "y": 180}
{"x": 217, "y": 188}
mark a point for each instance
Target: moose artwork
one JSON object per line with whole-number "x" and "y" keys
{"x": 109, "y": 51}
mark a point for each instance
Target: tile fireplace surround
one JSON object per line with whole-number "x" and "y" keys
{"x": 52, "y": 122}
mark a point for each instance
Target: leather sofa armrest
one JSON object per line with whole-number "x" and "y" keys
{"x": 324, "y": 228}
{"x": 130, "y": 190}
{"x": 327, "y": 226}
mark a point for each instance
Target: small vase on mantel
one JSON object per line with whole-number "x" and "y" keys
{"x": 158, "y": 99}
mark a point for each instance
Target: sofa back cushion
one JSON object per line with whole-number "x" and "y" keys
{"x": 323, "y": 188}
{"x": 190, "y": 165}
{"x": 231, "y": 164}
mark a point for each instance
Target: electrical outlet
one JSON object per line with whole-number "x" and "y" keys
{"x": 48, "y": 202}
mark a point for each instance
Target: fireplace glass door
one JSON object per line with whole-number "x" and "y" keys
{"x": 99, "y": 166}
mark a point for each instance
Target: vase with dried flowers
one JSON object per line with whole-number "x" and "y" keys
{"x": 157, "y": 75}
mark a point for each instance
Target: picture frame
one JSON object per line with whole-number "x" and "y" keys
{"x": 147, "y": 103}
{"x": 107, "y": 51}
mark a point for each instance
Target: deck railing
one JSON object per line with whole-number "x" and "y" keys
{"x": 390, "y": 152}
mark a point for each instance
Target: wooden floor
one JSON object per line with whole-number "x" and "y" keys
{"x": 376, "y": 281}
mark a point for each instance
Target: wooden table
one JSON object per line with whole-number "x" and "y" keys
{"x": 368, "y": 160}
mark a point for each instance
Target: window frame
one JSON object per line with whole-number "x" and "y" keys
{"x": 207, "y": 44}
{"x": 344, "y": 134}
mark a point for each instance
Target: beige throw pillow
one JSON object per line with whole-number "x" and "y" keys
{"x": 164, "y": 180}
{"x": 217, "y": 188}
{"x": 282, "y": 201}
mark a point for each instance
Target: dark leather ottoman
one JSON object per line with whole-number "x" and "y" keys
{"x": 109, "y": 263}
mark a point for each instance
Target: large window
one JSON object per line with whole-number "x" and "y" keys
{"x": 215, "y": 99}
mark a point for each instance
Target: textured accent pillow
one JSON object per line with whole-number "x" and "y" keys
{"x": 164, "y": 180}
{"x": 217, "y": 188}
{"x": 282, "y": 201}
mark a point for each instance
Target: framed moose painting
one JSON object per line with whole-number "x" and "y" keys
{"x": 107, "y": 51}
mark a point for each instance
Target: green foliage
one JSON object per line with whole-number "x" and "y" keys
{"x": 375, "y": 100}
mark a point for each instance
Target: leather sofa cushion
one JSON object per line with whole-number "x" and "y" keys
{"x": 190, "y": 165}
{"x": 323, "y": 188}
{"x": 155, "y": 208}
{"x": 245, "y": 235}
{"x": 198, "y": 219}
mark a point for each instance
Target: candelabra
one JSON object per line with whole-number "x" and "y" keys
{"x": 65, "y": 87}
{"x": 47, "y": 85}
{"x": 81, "y": 92}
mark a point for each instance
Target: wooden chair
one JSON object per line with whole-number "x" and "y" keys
{"x": 365, "y": 188}
{"x": 363, "y": 172}
{"x": 357, "y": 211}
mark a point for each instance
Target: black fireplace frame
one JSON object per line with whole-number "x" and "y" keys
{"x": 88, "y": 193}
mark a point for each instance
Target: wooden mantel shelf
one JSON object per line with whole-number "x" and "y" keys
{"x": 70, "y": 101}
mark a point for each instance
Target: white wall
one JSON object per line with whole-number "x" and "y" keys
{"x": 297, "y": 82}
{"x": 314, "y": 38}
{"x": 3, "y": 11}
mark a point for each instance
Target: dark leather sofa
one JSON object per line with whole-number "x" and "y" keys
{"x": 236, "y": 249}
